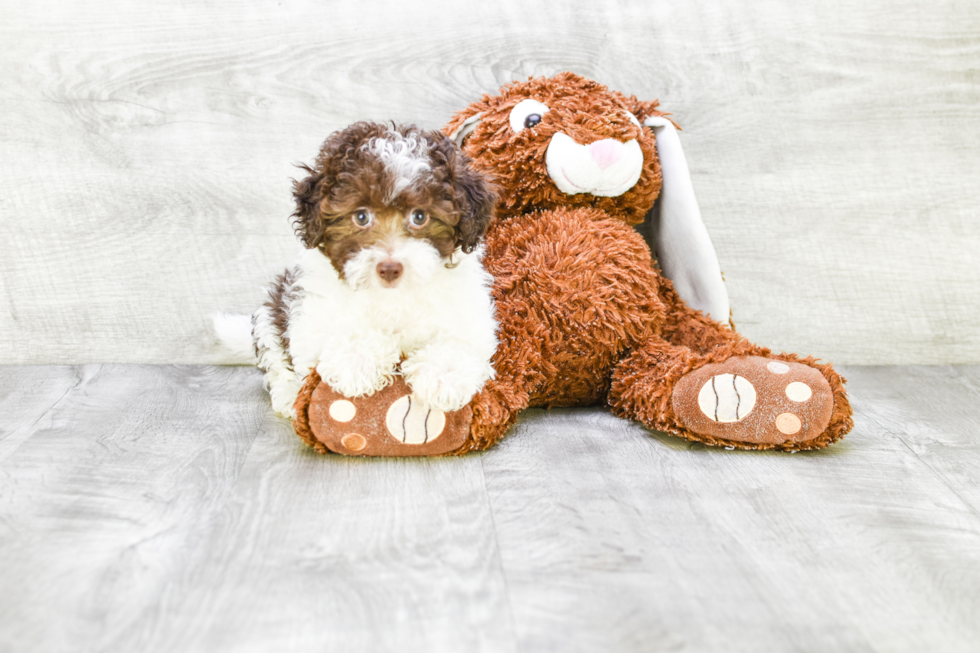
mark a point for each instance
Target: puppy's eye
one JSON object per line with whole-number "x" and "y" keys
{"x": 419, "y": 218}
{"x": 527, "y": 114}
{"x": 361, "y": 218}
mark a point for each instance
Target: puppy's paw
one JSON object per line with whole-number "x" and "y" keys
{"x": 438, "y": 389}
{"x": 356, "y": 381}
{"x": 357, "y": 371}
{"x": 445, "y": 382}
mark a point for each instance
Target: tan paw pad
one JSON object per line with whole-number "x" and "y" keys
{"x": 411, "y": 422}
{"x": 726, "y": 398}
{"x": 754, "y": 400}
{"x": 391, "y": 422}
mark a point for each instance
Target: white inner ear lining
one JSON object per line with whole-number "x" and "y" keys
{"x": 464, "y": 130}
{"x": 683, "y": 246}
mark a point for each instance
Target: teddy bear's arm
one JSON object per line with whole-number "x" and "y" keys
{"x": 517, "y": 365}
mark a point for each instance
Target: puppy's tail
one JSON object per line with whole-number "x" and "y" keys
{"x": 234, "y": 332}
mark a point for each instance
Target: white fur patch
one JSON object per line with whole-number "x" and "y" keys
{"x": 606, "y": 168}
{"x": 355, "y": 332}
{"x": 445, "y": 375}
{"x": 281, "y": 380}
{"x": 418, "y": 257}
{"x": 235, "y": 334}
{"x": 404, "y": 157}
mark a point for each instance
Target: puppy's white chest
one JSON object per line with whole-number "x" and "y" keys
{"x": 332, "y": 323}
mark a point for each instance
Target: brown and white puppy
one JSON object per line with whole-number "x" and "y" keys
{"x": 391, "y": 219}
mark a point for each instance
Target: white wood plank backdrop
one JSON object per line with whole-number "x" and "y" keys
{"x": 146, "y": 151}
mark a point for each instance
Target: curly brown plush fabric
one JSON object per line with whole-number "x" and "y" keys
{"x": 301, "y": 423}
{"x": 585, "y": 316}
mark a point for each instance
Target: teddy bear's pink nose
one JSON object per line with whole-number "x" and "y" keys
{"x": 606, "y": 152}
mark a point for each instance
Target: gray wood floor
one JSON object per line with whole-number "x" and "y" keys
{"x": 147, "y": 508}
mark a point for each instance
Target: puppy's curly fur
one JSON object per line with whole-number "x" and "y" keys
{"x": 391, "y": 219}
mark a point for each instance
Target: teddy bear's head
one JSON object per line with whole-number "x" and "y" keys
{"x": 564, "y": 141}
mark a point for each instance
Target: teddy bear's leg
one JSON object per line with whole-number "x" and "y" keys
{"x": 495, "y": 409}
{"x": 517, "y": 365}
{"x": 734, "y": 396}
{"x": 707, "y": 383}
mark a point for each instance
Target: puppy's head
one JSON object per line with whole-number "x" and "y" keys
{"x": 390, "y": 205}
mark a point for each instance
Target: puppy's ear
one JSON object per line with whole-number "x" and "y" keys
{"x": 306, "y": 218}
{"x": 478, "y": 199}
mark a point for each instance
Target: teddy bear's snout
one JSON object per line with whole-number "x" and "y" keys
{"x": 605, "y": 168}
{"x": 606, "y": 152}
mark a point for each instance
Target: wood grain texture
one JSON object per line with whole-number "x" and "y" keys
{"x": 108, "y": 501}
{"x": 861, "y": 548}
{"x": 146, "y": 151}
{"x": 351, "y": 555}
{"x": 647, "y": 543}
{"x": 166, "y": 509}
{"x": 27, "y": 396}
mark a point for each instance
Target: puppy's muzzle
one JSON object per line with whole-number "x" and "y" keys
{"x": 390, "y": 272}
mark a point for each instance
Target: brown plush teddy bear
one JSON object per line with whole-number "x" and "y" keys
{"x": 585, "y": 316}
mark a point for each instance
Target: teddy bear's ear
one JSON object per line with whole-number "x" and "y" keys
{"x": 465, "y": 128}
{"x": 680, "y": 238}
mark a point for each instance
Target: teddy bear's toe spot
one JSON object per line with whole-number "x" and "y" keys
{"x": 342, "y": 410}
{"x": 727, "y": 398}
{"x": 788, "y": 424}
{"x": 777, "y": 368}
{"x": 354, "y": 441}
{"x": 798, "y": 391}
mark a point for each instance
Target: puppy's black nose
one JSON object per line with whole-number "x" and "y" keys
{"x": 390, "y": 270}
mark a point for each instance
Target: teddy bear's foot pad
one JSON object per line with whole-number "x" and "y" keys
{"x": 754, "y": 400}
{"x": 391, "y": 422}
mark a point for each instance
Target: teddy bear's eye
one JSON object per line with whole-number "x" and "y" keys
{"x": 527, "y": 114}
